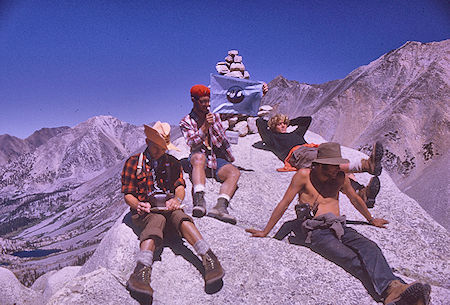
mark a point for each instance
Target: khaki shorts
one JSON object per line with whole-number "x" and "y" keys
{"x": 154, "y": 225}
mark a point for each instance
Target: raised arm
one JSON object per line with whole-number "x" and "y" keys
{"x": 297, "y": 184}
{"x": 193, "y": 136}
{"x": 359, "y": 204}
{"x": 265, "y": 133}
{"x": 303, "y": 121}
{"x": 302, "y": 124}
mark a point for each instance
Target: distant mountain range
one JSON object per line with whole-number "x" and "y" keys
{"x": 401, "y": 99}
{"x": 60, "y": 187}
{"x": 12, "y": 147}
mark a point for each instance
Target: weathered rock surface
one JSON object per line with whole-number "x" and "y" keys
{"x": 53, "y": 281}
{"x": 242, "y": 128}
{"x": 251, "y": 123}
{"x": 400, "y": 99}
{"x": 13, "y": 292}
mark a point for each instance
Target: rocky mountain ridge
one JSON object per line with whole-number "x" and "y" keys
{"x": 64, "y": 195}
{"x": 400, "y": 99}
{"x": 12, "y": 147}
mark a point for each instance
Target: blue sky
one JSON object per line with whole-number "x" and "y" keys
{"x": 62, "y": 62}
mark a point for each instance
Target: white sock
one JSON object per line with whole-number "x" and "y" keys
{"x": 225, "y": 196}
{"x": 199, "y": 188}
{"x": 355, "y": 166}
{"x": 201, "y": 247}
{"x": 145, "y": 257}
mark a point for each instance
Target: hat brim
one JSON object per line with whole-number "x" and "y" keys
{"x": 153, "y": 136}
{"x": 332, "y": 161}
{"x": 170, "y": 146}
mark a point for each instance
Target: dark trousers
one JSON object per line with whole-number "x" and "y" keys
{"x": 358, "y": 255}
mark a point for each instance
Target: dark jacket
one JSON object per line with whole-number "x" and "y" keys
{"x": 281, "y": 143}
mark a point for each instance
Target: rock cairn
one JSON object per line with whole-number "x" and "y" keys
{"x": 232, "y": 66}
{"x": 242, "y": 125}
{"x": 238, "y": 125}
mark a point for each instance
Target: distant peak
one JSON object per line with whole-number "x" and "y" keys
{"x": 281, "y": 81}
{"x": 101, "y": 118}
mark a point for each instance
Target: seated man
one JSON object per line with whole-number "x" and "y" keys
{"x": 292, "y": 148}
{"x": 328, "y": 235}
{"x": 154, "y": 188}
{"x": 210, "y": 155}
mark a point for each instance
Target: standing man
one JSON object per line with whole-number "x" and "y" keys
{"x": 210, "y": 156}
{"x": 328, "y": 235}
{"x": 154, "y": 188}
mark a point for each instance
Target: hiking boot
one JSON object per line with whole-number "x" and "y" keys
{"x": 199, "y": 203}
{"x": 213, "y": 269}
{"x": 404, "y": 294}
{"x": 139, "y": 281}
{"x": 220, "y": 211}
{"x": 373, "y": 164}
{"x": 370, "y": 192}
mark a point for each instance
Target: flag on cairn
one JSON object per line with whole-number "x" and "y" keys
{"x": 235, "y": 95}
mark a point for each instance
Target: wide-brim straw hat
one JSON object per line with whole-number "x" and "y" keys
{"x": 153, "y": 136}
{"x": 330, "y": 153}
{"x": 164, "y": 131}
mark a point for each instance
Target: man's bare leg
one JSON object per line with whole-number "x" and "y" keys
{"x": 372, "y": 165}
{"x": 229, "y": 174}
{"x": 198, "y": 161}
{"x": 213, "y": 269}
{"x": 147, "y": 245}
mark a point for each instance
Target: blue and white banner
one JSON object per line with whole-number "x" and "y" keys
{"x": 235, "y": 95}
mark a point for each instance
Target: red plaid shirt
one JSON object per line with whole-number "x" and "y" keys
{"x": 195, "y": 137}
{"x": 139, "y": 186}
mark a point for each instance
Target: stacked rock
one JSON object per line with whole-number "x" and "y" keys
{"x": 232, "y": 66}
{"x": 242, "y": 125}
{"x": 238, "y": 125}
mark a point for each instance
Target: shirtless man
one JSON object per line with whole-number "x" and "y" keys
{"x": 328, "y": 235}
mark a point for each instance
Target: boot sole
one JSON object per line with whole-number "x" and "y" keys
{"x": 215, "y": 279}
{"x": 139, "y": 292}
{"x": 141, "y": 298}
{"x": 198, "y": 212}
{"x": 414, "y": 293}
{"x": 377, "y": 152}
{"x": 373, "y": 188}
{"x": 224, "y": 219}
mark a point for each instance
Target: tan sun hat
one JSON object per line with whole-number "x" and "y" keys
{"x": 153, "y": 136}
{"x": 330, "y": 153}
{"x": 164, "y": 131}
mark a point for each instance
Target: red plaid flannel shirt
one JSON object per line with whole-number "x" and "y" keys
{"x": 139, "y": 186}
{"x": 195, "y": 137}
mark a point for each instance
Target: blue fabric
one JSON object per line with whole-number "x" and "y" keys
{"x": 358, "y": 255}
{"x": 235, "y": 95}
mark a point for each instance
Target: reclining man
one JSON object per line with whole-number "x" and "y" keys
{"x": 154, "y": 188}
{"x": 210, "y": 155}
{"x": 328, "y": 235}
{"x": 292, "y": 148}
